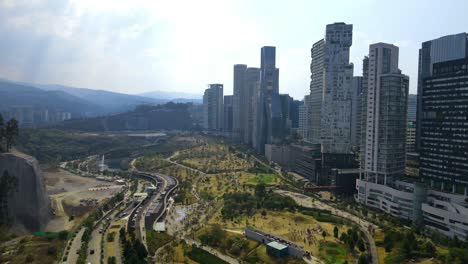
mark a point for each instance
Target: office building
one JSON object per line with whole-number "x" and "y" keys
{"x": 228, "y": 115}
{"x": 239, "y": 101}
{"x": 250, "y": 89}
{"x": 330, "y": 90}
{"x": 213, "y": 108}
{"x": 304, "y": 118}
{"x": 446, "y": 48}
{"x": 268, "y": 113}
{"x": 437, "y": 199}
{"x": 356, "y": 108}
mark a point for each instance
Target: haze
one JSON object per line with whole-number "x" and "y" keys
{"x": 138, "y": 46}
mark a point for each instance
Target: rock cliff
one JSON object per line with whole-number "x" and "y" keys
{"x": 26, "y": 204}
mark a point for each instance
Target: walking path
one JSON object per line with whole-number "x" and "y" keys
{"x": 364, "y": 225}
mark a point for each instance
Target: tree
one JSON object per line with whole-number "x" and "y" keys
{"x": 260, "y": 190}
{"x": 362, "y": 259}
{"x": 361, "y": 245}
{"x": 335, "y": 232}
{"x": 324, "y": 234}
{"x": 11, "y": 132}
{"x": 429, "y": 248}
{"x": 264, "y": 213}
{"x": 8, "y": 184}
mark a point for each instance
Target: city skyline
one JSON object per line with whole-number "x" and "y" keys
{"x": 70, "y": 42}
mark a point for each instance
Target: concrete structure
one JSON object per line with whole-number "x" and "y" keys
{"x": 305, "y": 160}
{"x": 412, "y": 164}
{"x": 266, "y": 238}
{"x": 410, "y": 137}
{"x": 213, "y": 108}
{"x": 278, "y": 154}
{"x": 443, "y": 212}
{"x": 276, "y": 249}
{"x": 330, "y": 90}
{"x": 228, "y": 115}
{"x": 386, "y": 106}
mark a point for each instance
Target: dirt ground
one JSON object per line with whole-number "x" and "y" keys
{"x": 66, "y": 190}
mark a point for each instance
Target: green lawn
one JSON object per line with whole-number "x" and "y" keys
{"x": 332, "y": 252}
{"x": 263, "y": 178}
{"x": 156, "y": 240}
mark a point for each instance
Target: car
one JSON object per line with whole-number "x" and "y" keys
{"x": 91, "y": 252}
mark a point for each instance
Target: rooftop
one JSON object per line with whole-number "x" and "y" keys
{"x": 277, "y": 245}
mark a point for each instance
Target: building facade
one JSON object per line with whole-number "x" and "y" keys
{"x": 330, "y": 90}
{"x": 385, "y": 131}
{"x": 238, "y": 101}
{"x": 213, "y": 108}
{"x": 228, "y": 115}
{"x": 356, "y": 108}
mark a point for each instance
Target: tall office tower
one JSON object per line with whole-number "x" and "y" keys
{"x": 362, "y": 138}
{"x": 268, "y": 114}
{"x": 356, "y": 108}
{"x": 330, "y": 90}
{"x": 385, "y": 131}
{"x": 411, "y": 124}
{"x": 213, "y": 108}
{"x": 228, "y": 114}
{"x": 445, "y": 48}
{"x": 444, "y": 126}
{"x": 304, "y": 118}
{"x": 250, "y": 89}
{"x": 294, "y": 113}
{"x": 238, "y": 101}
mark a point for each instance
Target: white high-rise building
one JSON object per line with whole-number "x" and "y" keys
{"x": 386, "y": 104}
{"x": 330, "y": 90}
{"x": 304, "y": 118}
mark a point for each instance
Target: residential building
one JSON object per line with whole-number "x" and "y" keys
{"x": 386, "y": 106}
{"x": 213, "y": 108}
{"x": 330, "y": 90}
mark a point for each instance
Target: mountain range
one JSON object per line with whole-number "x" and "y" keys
{"x": 80, "y": 101}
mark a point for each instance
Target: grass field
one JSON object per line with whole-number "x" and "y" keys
{"x": 156, "y": 240}
{"x": 291, "y": 226}
{"x": 201, "y": 256}
{"x": 263, "y": 178}
{"x": 332, "y": 252}
{"x": 31, "y": 249}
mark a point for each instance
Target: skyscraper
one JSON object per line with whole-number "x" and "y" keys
{"x": 228, "y": 114}
{"x": 268, "y": 114}
{"x": 247, "y": 110}
{"x": 385, "y": 131}
{"x": 213, "y": 108}
{"x": 330, "y": 90}
{"x": 356, "y": 108}
{"x": 444, "y": 127}
{"x": 239, "y": 101}
{"x": 446, "y": 48}
{"x": 304, "y": 118}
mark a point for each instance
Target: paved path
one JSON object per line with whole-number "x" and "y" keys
{"x": 212, "y": 251}
{"x": 364, "y": 225}
{"x": 76, "y": 245}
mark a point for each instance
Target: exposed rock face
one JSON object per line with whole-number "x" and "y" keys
{"x": 27, "y": 204}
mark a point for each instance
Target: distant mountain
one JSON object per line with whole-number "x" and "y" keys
{"x": 168, "y": 116}
{"x": 19, "y": 95}
{"x": 172, "y": 95}
{"x": 111, "y": 102}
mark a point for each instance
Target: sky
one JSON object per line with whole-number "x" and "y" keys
{"x": 135, "y": 46}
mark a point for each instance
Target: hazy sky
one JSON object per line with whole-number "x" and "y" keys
{"x": 136, "y": 46}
